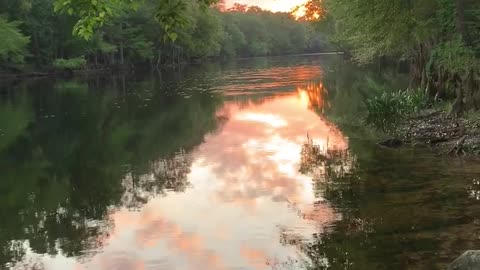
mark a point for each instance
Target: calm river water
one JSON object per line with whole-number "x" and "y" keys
{"x": 205, "y": 167}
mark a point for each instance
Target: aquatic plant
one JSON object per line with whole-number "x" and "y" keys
{"x": 389, "y": 107}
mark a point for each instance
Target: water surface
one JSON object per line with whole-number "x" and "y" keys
{"x": 207, "y": 167}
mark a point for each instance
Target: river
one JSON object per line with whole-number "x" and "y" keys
{"x": 208, "y": 167}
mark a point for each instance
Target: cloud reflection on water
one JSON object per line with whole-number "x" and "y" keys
{"x": 247, "y": 205}
{"x": 246, "y": 190}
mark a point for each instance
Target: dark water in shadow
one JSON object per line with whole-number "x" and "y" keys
{"x": 208, "y": 167}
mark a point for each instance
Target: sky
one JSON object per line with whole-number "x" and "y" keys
{"x": 273, "y": 5}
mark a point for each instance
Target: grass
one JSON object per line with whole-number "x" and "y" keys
{"x": 72, "y": 63}
{"x": 444, "y": 106}
{"x": 389, "y": 107}
{"x": 473, "y": 116}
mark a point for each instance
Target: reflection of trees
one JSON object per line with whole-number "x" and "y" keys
{"x": 325, "y": 164}
{"x": 399, "y": 209}
{"x": 167, "y": 174}
{"x": 315, "y": 95}
{"x": 352, "y": 242}
{"x": 347, "y": 244}
{"x": 71, "y": 146}
{"x": 349, "y": 87}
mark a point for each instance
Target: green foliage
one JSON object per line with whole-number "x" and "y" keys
{"x": 95, "y": 13}
{"x": 455, "y": 56}
{"x": 137, "y": 44}
{"x": 73, "y": 63}
{"x": 233, "y": 39}
{"x": 440, "y": 39}
{"x": 452, "y": 53}
{"x": 203, "y": 35}
{"x": 259, "y": 33}
{"x": 373, "y": 28}
{"x": 389, "y": 107}
{"x": 62, "y": 154}
{"x": 106, "y": 47}
{"x": 13, "y": 46}
{"x": 123, "y": 32}
{"x": 473, "y": 116}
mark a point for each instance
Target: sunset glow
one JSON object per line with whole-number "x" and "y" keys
{"x": 312, "y": 96}
{"x": 272, "y": 5}
{"x": 248, "y": 171}
{"x": 300, "y": 12}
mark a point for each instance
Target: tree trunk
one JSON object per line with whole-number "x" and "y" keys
{"x": 122, "y": 58}
{"x": 471, "y": 91}
{"x": 159, "y": 59}
{"x": 112, "y": 58}
{"x": 460, "y": 19}
{"x": 457, "y": 107}
{"x": 36, "y": 49}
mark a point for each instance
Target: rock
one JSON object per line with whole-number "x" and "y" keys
{"x": 470, "y": 260}
{"x": 392, "y": 143}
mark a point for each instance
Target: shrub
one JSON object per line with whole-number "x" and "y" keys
{"x": 72, "y": 63}
{"x": 389, "y": 107}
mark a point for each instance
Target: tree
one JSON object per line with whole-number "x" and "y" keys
{"x": 238, "y": 8}
{"x": 255, "y": 9}
{"x": 233, "y": 39}
{"x": 93, "y": 13}
{"x": 439, "y": 38}
{"x": 136, "y": 36}
{"x": 221, "y": 6}
{"x": 13, "y": 47}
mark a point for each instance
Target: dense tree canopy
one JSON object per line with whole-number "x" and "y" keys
{"x": 439, "y": 38}
{"x": 74, "y": 34}
{"x": 94, "y": 13}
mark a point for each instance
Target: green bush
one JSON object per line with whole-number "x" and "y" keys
{"x": 72, "y": 63}
{"x": 389, "y": 107}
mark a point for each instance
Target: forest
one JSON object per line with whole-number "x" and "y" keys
{"x": 438, "y": 41}
{"x": 39, "y": 34}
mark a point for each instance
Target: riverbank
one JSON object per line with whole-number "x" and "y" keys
{"x": 29, "y": 71}
{"x": 53, "y": 72}
{"x": 439, "y": 130}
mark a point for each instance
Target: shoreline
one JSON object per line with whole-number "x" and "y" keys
{"x": 436, "y": 129}
{"x": 60, "y": 73}
{"x": 52, "y": 72}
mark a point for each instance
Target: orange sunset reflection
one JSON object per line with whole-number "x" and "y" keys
{"x": 313, "y": 96}
{"x": 247, "y": 204}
